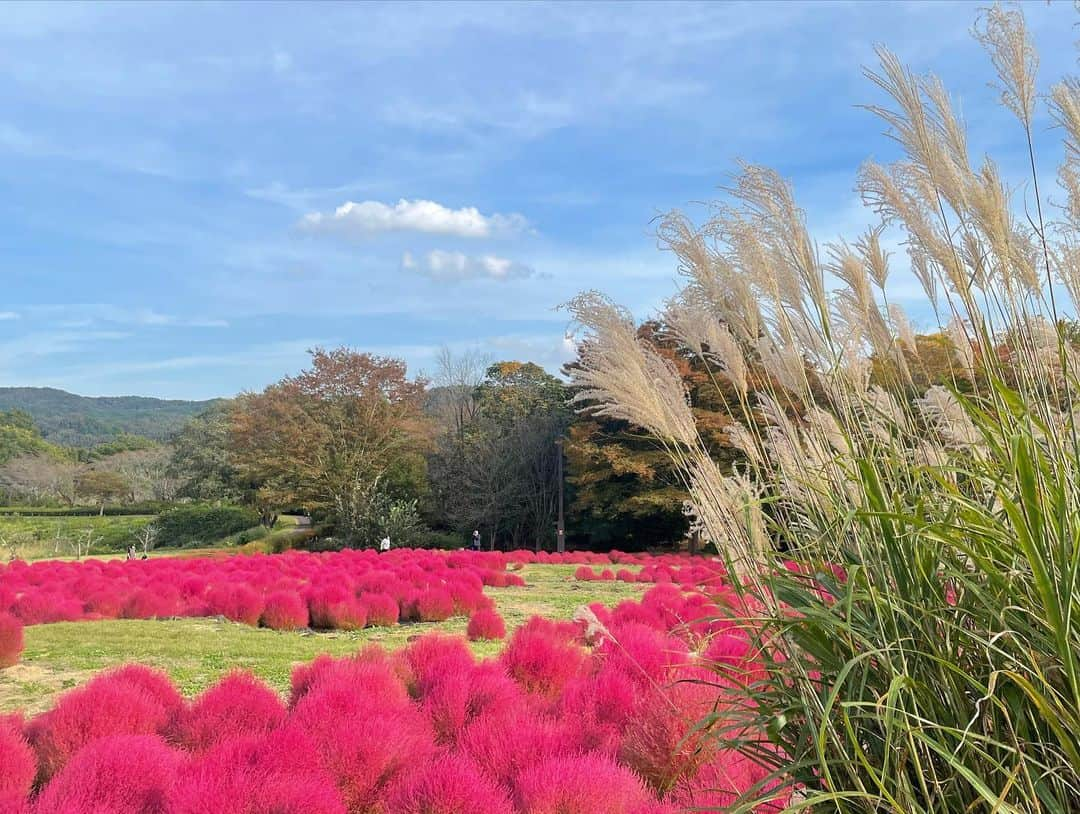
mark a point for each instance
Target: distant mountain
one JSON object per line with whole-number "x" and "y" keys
{"x": 83, "y": 421}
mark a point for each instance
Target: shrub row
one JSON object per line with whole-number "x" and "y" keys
{"x": 128, "y": 509}
{"x": 344, "y": 590}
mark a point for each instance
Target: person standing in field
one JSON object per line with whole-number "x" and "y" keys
{"x": 384, "y": 544}
{"x": 476, "y": 540}
{"x": 131, "y": 552}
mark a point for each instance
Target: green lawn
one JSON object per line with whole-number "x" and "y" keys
{"x": 196, "y": 652}
{"x": 35, "y": 538}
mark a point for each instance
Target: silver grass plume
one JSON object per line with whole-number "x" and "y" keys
{"x": 947, "y": 418}
{"x": 623, "y": 377}
{"x": 902, "y": 326}
{"x": 1003, "y": 33}
{"x": 1065, "y": 108}
{"x": 785, "y": 363}
{"x": 743, "y": 440}
{"x": 962, "y": 348}
{"x": 702, "y": 333}
{"x": 825, "y": 425}
{"x": 885, "y": 416}
{"x": 727, "y": 510}
{"x": 875, "y": 259}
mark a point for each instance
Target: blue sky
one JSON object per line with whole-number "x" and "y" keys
{"x": 194, "y": 194}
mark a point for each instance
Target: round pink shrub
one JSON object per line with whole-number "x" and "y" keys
{"x": 366, "y": 751}
{"x": 153, "y": 683}
{"x": 11, "y": 640}
{"x": 150, "y": 603}
{"x": 105, "y": 603}
{"x": 284, "y": 610}
{"x": 453, "y": 700}
{"x": 645, "y": 654}
{"x": 236, "y": 602}
{"x": 449, "y": 785}
{"x": 486, "y": 624}
{"x": 17, "y": 765}
{"x": 584, "y": 574}
{"x": 40, "y": 608}
{"x": 432, "y": 656}
{"x": 435, "y": 605}
{"x": 662, "y": 742}
{"x": 502, "y": 745}
{"x": 382, "y": 609}
{"x": 278, "y": 773}
{"x": 132, "y": 700}
{"x": 580, "y": 784}
{"x": 542, "y": 657}
{"x": 122, "y": 773}
{"x": 336, "y": 609}
{"x": 601, "y": 704}
{"x": 334, "y": 687}
{"x": 237, "y": 705}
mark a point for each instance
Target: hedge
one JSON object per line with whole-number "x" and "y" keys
{"x": 203, "y": 525}
{"x": 125, "y": 510}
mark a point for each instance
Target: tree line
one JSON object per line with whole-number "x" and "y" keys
{"x": 369, "y": 452}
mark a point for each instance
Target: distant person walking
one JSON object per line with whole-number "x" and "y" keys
{"x": 384, "y": 543}
{"x": 131, "y": 552}
{"x": 476, "y": 540}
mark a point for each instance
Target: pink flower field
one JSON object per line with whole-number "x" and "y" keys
{"x": 592, "y": 715}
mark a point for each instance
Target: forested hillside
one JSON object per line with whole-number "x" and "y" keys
{"x": 18, "y": 436}
{"x": 80, "y": 421}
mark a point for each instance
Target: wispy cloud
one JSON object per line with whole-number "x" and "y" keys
{"x": 80, "y": 315}
{"x": 455, "y": 266}
{"x": 374, "y": 217}
{"x": 7, "y": 316}
{"x": 41, "y": 344}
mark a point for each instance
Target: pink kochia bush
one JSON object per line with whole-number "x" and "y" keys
{"x": 344, "y": 590}
{"x": 284, "y": 610}
{"x": 449, "y": 785}
{"x": 598, "y": 715}
{"x": 132, "y": 700}
{"x": 17, "y": 764}
{"x": 486, "y": 624}
{"x": 117, "y": 773}
{"x": 239, "y": 705}
{"x": 11, "y": 640}
{"x": 580, "y": 784}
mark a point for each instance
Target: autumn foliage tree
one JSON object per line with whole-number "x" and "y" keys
{"x": 626, "y": 493}
{"x": 333, "y": 438}
{"x": 101, "y": 486}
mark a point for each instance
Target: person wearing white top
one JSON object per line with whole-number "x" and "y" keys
{"x": 384, "y": 544}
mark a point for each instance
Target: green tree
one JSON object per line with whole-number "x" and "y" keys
{"x": 202, "y": 460}
{"x": 497, "y": 470}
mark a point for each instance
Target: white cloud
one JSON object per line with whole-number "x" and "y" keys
{"x": 374, "y": 217}
{"x": 454, "y": 266}
{"x": 6, "y": 316}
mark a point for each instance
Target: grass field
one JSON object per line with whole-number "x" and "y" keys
{"x": 196, "y": 652}
{"x": 34, "y": 538}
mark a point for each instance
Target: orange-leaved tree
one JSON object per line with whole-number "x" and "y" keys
{"x": 332, "y": 437}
